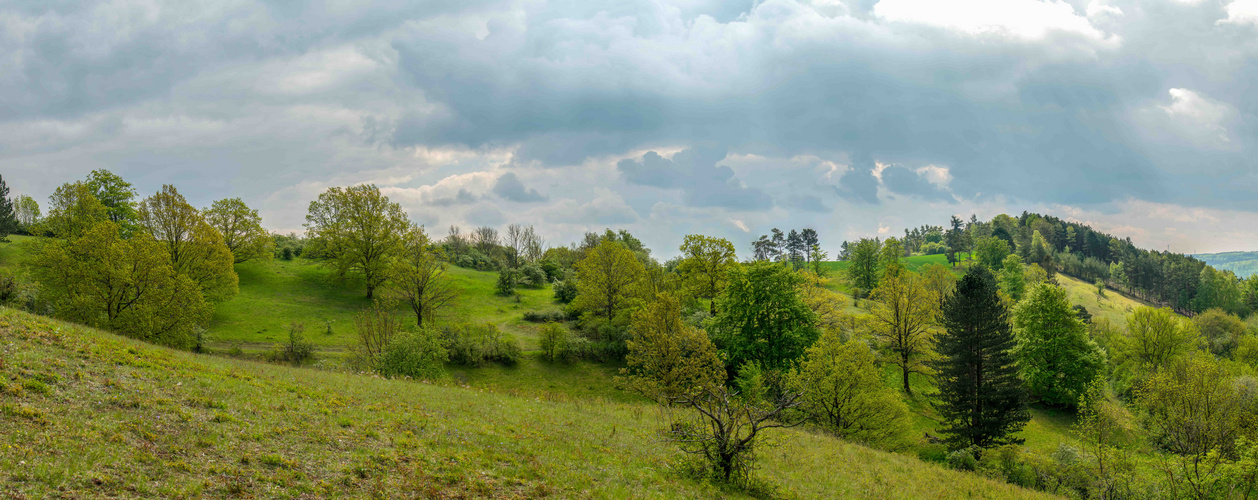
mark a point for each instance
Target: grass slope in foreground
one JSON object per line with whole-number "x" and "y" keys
{"x": 86, "y": 413}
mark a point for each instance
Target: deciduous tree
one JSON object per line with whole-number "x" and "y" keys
{"x": 669, "y": 359}
{"x": 762, "y": 318}
{"x": 1057, "y": 358}
{"x": 865, "y": 268}
{"x": 242, "y": 230}
{"x": 418, "y": 278}
{"x": 72, "y": 211}
{"x": 705, "y": 265}
{"x": 607, "y": 278}
{"x": 196, "y": 249}
{"x": 901, "y": 318}
{"x": 844, "y": 390}
{"x": 360, "y": 231}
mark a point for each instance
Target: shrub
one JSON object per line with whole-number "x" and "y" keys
{"x": 286, "y": 253}
{"x": 552, "y": 269}
{"x": 933, "y": 452}
{"x": 555, "y": 341}
{"x": 476, "y": 345}
{"x": 416, "y": 354}
{"x": 962, "y": 459}
{"x": 297, "y": 350}
{"x": 532, "y": 275}
{"x": 9, "y": 288}
{"x": 549, "y": 316}
{"x": 472, "y": 258}
{"x": 566, "y": 289}
{"x": 506, "y": 282}
{"x": 376, "y": 327}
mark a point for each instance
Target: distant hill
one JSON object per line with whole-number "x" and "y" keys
{"x": 1244, "y": 264}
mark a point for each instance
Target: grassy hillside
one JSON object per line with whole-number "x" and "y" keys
{"x": 1244, "y": 264}
{"x": 86, "y": 413}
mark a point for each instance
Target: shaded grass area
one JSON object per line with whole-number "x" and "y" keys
{"x": 87, "y": 413}
{"x": 1114, "y": 305}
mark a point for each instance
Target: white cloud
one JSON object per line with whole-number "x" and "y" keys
{"x": 1023, "y": 19}
{"x": 937, "y": 175}
{"x": 740, "y": 225}
{"x": 1241, "y": 12}
{"x": 1098, "y": 9}
{"x": 1201, "y": 118}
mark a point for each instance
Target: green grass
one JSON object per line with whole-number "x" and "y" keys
{"x": 1114, "y": 305}
{"x": 277, "y": 293}
{"x": 126, "y": 419}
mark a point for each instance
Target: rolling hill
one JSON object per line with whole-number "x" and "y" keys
{"x": 88, "y": 413}
{"x": 1244, "y": 264}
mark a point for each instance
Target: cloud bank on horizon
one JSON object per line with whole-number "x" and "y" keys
{"x": 855, "y": 117}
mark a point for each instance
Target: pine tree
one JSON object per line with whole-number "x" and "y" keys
{"x": 8, "y": 219}
{"x": 981, "y": 397}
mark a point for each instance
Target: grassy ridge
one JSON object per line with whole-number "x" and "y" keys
{"x": 1244, "y": 264}
{"x": 86, "y": 413}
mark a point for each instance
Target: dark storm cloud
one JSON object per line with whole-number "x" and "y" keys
{"x": 695, "y": 172}
{"x": 510, "y": 188}
{"x": 903, "y": 181}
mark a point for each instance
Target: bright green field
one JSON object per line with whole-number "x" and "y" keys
{"x": 91, "y": 414}
{"x": 274, "y": 294}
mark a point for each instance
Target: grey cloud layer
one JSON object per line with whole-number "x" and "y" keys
{"x": 277, "y": 100}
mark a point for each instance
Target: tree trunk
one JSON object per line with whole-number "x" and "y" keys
{"x": 370, "y": 289}
{"x": 712, "y": 307}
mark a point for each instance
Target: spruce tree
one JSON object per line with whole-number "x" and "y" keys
{"x": 981, "y": 397}
{"x": 8, "y": 218}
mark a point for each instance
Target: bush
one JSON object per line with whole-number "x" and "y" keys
{"x": 550, "y": 316}
{"x": 963, "y": 459}
{"x": 934, "y": 248}
{"x": 566, "y": 289}
{"x": 9, "y": 287}
{"x": 552, "y": 269}
{"x": 476, "y": 345}
{"x": 297, "y": 350}
{"x": 416, "y": 354}
{"x": 933, "y": 452}
{"x": 532, "y": 275}
{"x": 506, "y": 282}
{"x": 472, "y": 258}
{"x": 286, "y": 253}
{"x": 555, "y": 341}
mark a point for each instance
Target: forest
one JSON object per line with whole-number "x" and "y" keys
{"x": 1030, "y": 350}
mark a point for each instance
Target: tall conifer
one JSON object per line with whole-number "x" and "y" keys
{"x": 981, "y": 397}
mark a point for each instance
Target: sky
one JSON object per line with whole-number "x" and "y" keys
{"x": 857, "y": 118}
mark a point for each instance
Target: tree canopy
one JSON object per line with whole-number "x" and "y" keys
{"x": 359, "y": 232}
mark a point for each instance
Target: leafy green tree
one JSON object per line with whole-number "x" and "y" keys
{"x": 196, "y": 249}
{"x": 939, "y": 280}
{"x": 125, "y": 285}
{"x": 8, "y": 216}
{"x": 901, "y": 319}
{"x": 991, "y": 252}
{"x": 1013, "y": 278}
{"x": 555, "y": 341}
{"x": 360, "y": 232}
{"x": 763, "y": 319}
{"x": 817, "y": 259}
{"x": 889, "y": 260}
{"x": 418, "y": 354}
{"x": 981, "y": 398}
{"x": 955, "y": 239}
{"x": 419, "y": 279}
{"x": 865, "y": 268}
{"x": 117, "y": 196}
{"x": 1193, "y": 411}
{"x": 667, "y": 358}
{"x": 1157, "y": 336}
{"x": 1042, "y": 253}
{"x": 72, "y": 211}
{"x": 1057, "y": 358}
{"x": 1220, "y": 330}
{"x": 242, "y": 230}
{"x": 26, "y": 209}
{"x": 607, "y": 278}
{"x": 705, "y": 265}
{"x": 843, "y": 390}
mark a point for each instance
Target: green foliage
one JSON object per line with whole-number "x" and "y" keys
{"x": 196, "y": 249}
{"x": 417, "y": 354}
{"x": 555, "y": 341}
{"x": 865, "y": 269}
{"x": 705, "y": 265}
{"x": 1012, "y": 278}
{"x": 532, "y": 275}
{"x": 73, "y": 210}
{"x": 1057, "y": 359}
{"x": 241, "y": 228}
{"x": 981, "y": 398}
{"x": 358, "y": 231}
{"x": 26, "y": 209}
{"x": 1155, "y": 338}
{"x": 844, "y": 391}
{"x": 297, "y": 350}
{"x": 478, "y": 345}
{"x": 608, "y": 279}
{"x": 9, "y": 223}
{"x": 565, "y": 290}
{"x": 125, "y": 285}
{"x": 991, "y": 252}
{"x": 418, "y": 277}
{"x": 507, "y": 278}
{"x": 761, "y": 317}
{"x": 667, "y": 358}
{"x": 901, "y": 318}
{"x": 1220, "y": 330}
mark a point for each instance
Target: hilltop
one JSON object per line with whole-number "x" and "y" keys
{"x": 1243, "y": 264}
{"x": 91, "y": 413}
